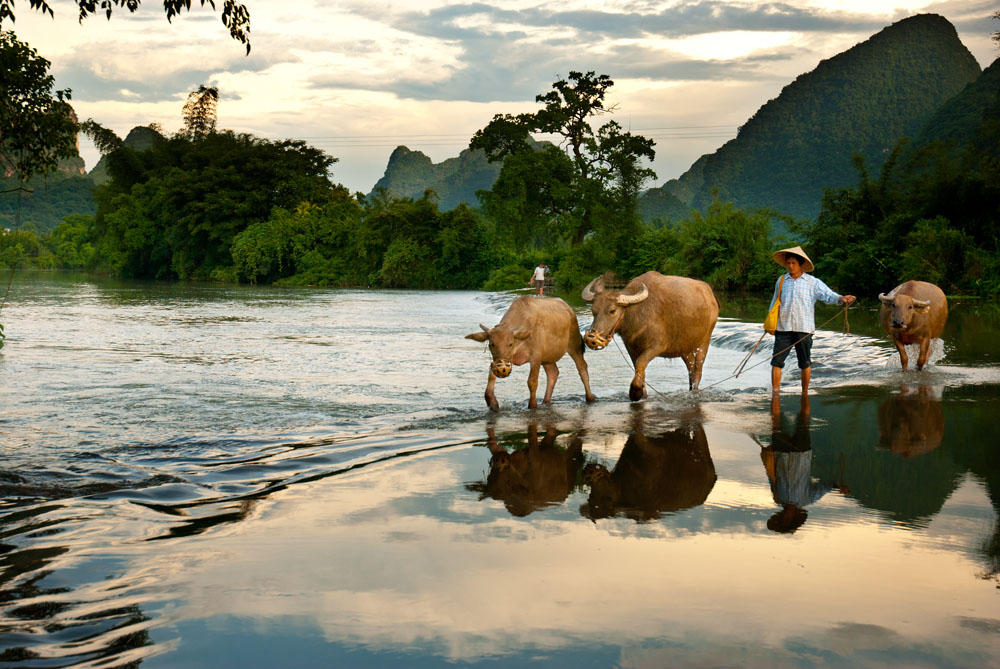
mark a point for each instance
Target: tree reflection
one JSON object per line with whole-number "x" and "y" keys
{"x": 654, "y": 475}
{"x": 526, "y": 479}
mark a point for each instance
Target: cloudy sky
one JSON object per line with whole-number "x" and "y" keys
{"x": 359, "y": 78}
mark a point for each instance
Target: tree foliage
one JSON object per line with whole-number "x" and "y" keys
{"x": 201, "y": 111}
{"x": 37, "y": 126}
{"x": 235, "y": 16}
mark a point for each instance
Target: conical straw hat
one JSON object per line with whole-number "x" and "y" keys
{"x": 779, "y": 257}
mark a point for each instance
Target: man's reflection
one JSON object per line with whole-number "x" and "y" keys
{"x": 912, "y": 422}
{"x": 655, "y": 474}
{"x": 534, "y": 477}
{"x": 788, "y": 461}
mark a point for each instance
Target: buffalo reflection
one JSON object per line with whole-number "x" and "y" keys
{"x": 531, "y": 478}
{"x": 788, "y": 463}
{"x": 912, "y": 422}
{"x": 655, "y": 474}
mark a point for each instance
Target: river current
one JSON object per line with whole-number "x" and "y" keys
{"x": 205, "y": 475}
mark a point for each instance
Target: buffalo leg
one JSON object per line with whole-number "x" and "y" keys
{"x": 925, "y": 351}
{"x": 637, "y": 390}
{"x": 551, "y": 374}
{"x": 533, "y": 385}
{"x": 491, "y": 398}
{"x": 581, "y": 367}
{"x": 903, "y": 359}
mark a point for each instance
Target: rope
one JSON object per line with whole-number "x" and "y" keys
{"x": 787, "y": 348}
{"x": 739, "y": 369}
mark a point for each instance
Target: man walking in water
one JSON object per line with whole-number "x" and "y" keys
{"x": 796, "y": 316}
{"x": 539, "y": 278}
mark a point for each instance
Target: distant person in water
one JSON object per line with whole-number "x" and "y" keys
{"x": 796, "y": 316}
{"x": 539, "y": 278}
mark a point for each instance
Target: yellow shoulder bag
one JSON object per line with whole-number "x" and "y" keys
{"x": 771, "y": 321}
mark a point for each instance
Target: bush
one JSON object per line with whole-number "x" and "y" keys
{"x": 508, "y": 277}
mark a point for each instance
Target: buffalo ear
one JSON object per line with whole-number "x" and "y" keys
{"x": 477, "y": 336}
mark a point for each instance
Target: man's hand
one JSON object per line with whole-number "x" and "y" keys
{"x": 847, "y": 299}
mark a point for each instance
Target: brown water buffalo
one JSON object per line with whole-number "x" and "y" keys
{"x": 655, "y": 474}
{"x": 911, "y": 423}
{"x": 913, "y": 313}
{"x": 539, "y": 331}
{"x": 534, "y": 477}
{"x": 656, "y": 315}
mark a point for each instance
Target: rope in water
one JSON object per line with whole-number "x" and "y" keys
{"x": 740, "y": 368}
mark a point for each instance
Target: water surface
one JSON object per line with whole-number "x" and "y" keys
{"x": 201, "y": 475}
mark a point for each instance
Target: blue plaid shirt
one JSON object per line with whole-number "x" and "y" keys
{"x": 798, "y": 297}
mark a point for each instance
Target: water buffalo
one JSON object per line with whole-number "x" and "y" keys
{"x": 656, "y": 315}
{"x": 534, "y": 477}
{"x": 913, "y": 313}
{"x": 912, "y": 422}
{"x": 655, "y": 474}
{"x": 539, "y": 331}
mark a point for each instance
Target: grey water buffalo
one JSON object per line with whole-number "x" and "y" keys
{"x": 537, "y": 331}
{"x": 913, "y": 313}
{"x": 655, "y": 474}
{"x": 656, "y": 316}
{"x": 534, "y": 477}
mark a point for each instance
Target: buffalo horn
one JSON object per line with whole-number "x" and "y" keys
{"x": 592, "y": 289}
{"x": 922, "y": 303}
{"x": 485, "y": 329}
{"x": 633, "y": 299}
{"x": 885, "y": 299}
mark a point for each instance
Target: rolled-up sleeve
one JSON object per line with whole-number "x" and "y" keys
{"x": 823, "y": 292}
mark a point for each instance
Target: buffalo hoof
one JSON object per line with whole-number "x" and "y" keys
{"x": 591, "y": 399}
{"x": 636, "y": 393}
{"x": 492, "y": 403}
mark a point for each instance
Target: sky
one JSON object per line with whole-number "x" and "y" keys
{"x": 358, "y": 79}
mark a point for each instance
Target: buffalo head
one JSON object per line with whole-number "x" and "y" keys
{"x": 503, "y": 342}
{"x": 902, "y": 309}
{"x": 608, "y": 307}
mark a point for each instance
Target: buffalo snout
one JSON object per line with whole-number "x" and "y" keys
{"x": 594, "y": 340}
{"x": 502, "y": 368}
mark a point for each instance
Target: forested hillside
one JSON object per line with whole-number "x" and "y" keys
{"x": 456, "y": 180}
{"x": 139, "y": 138}
{"x": 958, "y": 119}
{"x": 860, "y": 101}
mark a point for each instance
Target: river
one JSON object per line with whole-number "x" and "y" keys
{"x": 229, "y": 476}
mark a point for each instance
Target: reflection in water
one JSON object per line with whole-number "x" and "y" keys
{"x": 788, "y": 463}
{"x": 655, "y": 474}
{"x": 534, "y": 477}
{"x": 912, "y": 422}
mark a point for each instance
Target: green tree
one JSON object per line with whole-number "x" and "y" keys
{"x": 174, "y": 211}
{"x": 591, "y": 181}
{"x": 235, "y": 16}
{"x": 36, "y": 127}
{"x": 36, "y": 123}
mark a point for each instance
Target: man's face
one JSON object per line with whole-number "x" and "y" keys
{"x": 793, "y": 267}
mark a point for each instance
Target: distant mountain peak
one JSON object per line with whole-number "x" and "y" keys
{"x": 862, "y": 100}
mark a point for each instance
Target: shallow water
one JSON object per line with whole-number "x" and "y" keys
{"x": 198, "y": 475}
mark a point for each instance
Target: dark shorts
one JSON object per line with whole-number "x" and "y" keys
{"x": 539, "y": 284}
{"x": 782, "y": 347}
